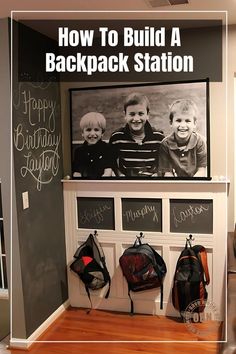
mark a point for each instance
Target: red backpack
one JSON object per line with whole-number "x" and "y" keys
{"x": 143, "y": 268}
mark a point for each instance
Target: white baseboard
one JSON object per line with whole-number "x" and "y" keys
{"x": 26, "y": 343}
{"x": 4, "y": 294}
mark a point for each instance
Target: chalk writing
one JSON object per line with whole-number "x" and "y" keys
{"x": 190, "y": 213}
{"x": 16, "y": 101}
{"x": 40, "y": 138}
{"x": 96, "y": 214}
{"x": 131, "y": 215}
{"x": 35, "y": 135}
{"x": 39, "y": 110}
{"x": 48, "y": 160}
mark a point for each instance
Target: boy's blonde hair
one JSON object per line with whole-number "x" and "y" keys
{"x": 93, "y": 118}
{"x": 183, "y": 106}
{"x": 136, "y": 98}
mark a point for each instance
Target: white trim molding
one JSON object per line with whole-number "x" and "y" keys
{"x": 18, "y": 343}
{"x": 4, "y": 294}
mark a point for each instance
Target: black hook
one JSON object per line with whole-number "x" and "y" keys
{"x": 189, "y": 240}
{"x": 141, "y": 235}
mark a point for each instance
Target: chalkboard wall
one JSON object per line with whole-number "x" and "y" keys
{"x": 38, "y": 170}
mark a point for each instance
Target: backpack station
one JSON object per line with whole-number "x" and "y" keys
{"x": 174, "y": 273}
{"x": 144, "y": 269}
{"x": 122, "y": 174}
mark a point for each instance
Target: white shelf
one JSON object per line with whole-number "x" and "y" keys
{"x": 117, "y": 181}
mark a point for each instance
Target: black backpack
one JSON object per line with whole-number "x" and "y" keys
{"x": 90, "y": 265}
{"x": 143, "y": 269}
{"x": 191, "y": 277}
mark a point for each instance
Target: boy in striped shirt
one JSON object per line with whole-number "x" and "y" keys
{"x": 136, "y": 144}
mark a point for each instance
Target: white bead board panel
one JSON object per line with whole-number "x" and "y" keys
{"x": 168, "y": 245}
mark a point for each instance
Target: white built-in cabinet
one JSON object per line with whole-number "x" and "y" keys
{"x": 211, "y": 196}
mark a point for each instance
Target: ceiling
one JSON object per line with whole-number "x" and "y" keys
{"x": 112, "y": 5}
{"x": 112, "y": 9}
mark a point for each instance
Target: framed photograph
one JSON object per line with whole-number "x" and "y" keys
{"x": 141, "y": 131}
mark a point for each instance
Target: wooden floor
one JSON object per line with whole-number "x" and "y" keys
{"x": 124, "y": 334}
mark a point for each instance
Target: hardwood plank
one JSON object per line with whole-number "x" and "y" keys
{"x": 121, "y": 348}
{"x": 76, "y": 325}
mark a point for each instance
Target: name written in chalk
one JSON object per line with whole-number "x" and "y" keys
{"x": 188, "y": 214}
{"x": 132, "y": 215}
{"x": 97, "y": 214}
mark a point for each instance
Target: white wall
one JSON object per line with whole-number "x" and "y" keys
{"x": 231, "y": 125}
{"x": 234, "y": 147}
{"x": 18, "y": 325}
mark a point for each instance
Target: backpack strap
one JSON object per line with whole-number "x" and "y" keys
{"x": 131, "y": 302}
{"x": 161, "y": 299}
{"x": 97, "y": 244}
{"x": 201, "y": 252}
{"x": 94, "y": 241}
{"x": 161, "y": 287}
{"x": 88, "y": 293}
{"x": 107, "y": 276}
{"x": 159, "y": 276}
{"x": 203, "y": 256}
{"x": 109, "y": 288}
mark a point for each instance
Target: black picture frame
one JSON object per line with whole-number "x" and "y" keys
{"x": 109, "y": 100}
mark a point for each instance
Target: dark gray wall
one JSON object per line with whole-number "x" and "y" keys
{"x": 38, "y": 171}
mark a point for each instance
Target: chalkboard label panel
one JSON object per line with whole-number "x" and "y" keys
{"x": 95, "y": 213}
{"x": 142, "y": 214}
{"x": 191, "y": 216}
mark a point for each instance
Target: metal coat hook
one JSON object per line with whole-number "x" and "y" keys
{"x": 189, "y": 240}
{"x": 141, "y": 235}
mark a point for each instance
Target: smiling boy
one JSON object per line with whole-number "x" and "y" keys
{"x": 93, "y": 159}
{"x": 137, "y": 143}
{"x": 183, "y": 153}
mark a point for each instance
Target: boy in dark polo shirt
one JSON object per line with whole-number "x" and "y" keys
{"x": 93, "y": 159}
{"x": 183, "y": 153}
{"x": 136, "y": 145}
